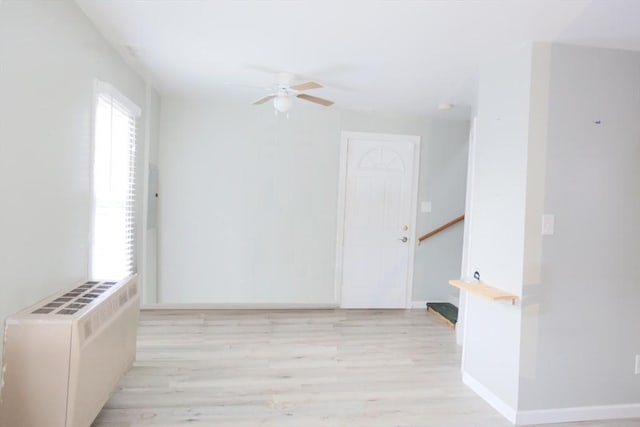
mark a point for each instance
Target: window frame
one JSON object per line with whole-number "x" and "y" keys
{"x": 100, "y": 89}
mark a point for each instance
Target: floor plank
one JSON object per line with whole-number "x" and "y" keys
{"x": 302, "y": 368}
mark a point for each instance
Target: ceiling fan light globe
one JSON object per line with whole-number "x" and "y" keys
{"x": 282, "y": 103}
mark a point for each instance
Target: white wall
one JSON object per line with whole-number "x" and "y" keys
{"x": 558, "y": 133}
{"x": 247, "y": 206}
{"x": 443, "y": 181}
{"x": 587, "y": 317}
{"x": 49, "y": 55}
{"x": 496, "y": 233}
{"x": 248, "y": 199}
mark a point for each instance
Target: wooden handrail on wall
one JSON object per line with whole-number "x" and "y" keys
{"x": 441, "y": 228}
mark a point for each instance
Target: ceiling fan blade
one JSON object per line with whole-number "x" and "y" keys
{"x": 315, "y": 99}
{"x": 264, "y": 99}
{"x": 306, "y": 86}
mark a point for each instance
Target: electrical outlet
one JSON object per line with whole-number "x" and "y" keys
{"x": 637, "y": 364}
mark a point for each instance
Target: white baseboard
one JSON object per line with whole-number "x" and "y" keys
{"x": 498, "y": 404}
{"x": 551, "y": 416}
{"x": 240, "y": 306}
{"x": 419, "y": 304}
{"x": 586, "y": 413}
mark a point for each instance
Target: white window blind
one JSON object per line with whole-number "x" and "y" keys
{"x": 113, "y": 243}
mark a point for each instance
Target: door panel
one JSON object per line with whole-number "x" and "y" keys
{"x": 378, "y": 201}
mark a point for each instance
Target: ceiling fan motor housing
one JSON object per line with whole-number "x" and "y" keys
{"x": 283, "y": 102}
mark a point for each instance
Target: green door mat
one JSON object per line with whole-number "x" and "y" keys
{"x": 445, "y": 311}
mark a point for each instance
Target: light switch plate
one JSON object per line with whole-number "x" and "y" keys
{"x": 425, "y": 207}
{"x": 548, "y": 224}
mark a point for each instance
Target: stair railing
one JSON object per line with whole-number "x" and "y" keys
{"x": 441, "y": 228}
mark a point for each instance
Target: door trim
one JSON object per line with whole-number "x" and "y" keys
{"x": 342, "y": 194}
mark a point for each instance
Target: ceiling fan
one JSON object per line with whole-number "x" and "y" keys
{"x": 284, "y": 91}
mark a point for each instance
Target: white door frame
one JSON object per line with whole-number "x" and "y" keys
{"x": 342, "y": 195}
{"x": 465, "y": 268}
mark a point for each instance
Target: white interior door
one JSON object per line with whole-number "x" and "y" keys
{"x": 379, "y": 186}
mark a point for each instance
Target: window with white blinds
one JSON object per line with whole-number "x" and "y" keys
{"x": 113, "y": 242}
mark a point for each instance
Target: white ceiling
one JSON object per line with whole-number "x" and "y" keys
{"x": 375, "y": 55}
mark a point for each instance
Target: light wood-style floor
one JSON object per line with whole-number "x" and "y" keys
{"x": 351, "y": 368}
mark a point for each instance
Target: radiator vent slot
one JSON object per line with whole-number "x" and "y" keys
{"x": 122, "y": 299}
{"x": 133, "y": 290}
{"x": 87, "y": 329}
{"x": 76, "y": 299}
{"x": 111, "y": 305}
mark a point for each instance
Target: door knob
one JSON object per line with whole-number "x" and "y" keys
{"x": 403, "y": 239}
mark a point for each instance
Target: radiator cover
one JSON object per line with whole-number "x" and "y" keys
{"x": 64, "y": 355}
